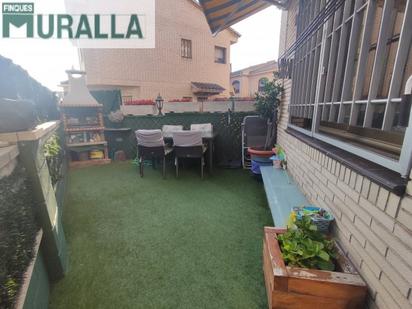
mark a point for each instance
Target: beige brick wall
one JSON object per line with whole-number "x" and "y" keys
{"x": 249, "y": 84}
{"x": 244, "y": 85}
{"x": 144, "y": 73}
{"x": 373, "y": 225}
{"x": 287, "y": 34}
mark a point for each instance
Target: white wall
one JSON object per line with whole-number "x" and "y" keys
{"x": 181, "y": 107}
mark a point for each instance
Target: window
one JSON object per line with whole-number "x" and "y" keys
{"x": 262, "y": 83}
{"x": 186, "y": 48}
{"x": 236, "y": 86}
{"x": 220, "y": 54}
{"x": 348, "y": 76}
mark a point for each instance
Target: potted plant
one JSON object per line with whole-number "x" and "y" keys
{"x": 305, "y": 269}
{"x": 267, "y": 103}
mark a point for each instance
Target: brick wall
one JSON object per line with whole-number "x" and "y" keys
{"x": 373, "y": 225}
{"x": 143, "y": 73}
{"x": 249, "y": 81}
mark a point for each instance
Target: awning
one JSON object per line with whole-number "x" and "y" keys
{"x": 206, "y": 89}
{"x": 221, "y": 14}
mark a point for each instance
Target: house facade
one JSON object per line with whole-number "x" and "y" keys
{"x": 345, "y": 123}
{"x": 248, "y": 81}
{"x": 186, "y": 56}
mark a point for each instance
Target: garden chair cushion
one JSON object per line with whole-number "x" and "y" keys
{"x": 187, "y": 138}
{"x": 205, "y": 128}
{"x": 150, "y": 138}
{"x": 169, "y": 129}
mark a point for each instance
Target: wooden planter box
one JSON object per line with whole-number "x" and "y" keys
{"x": 293, "y": 287}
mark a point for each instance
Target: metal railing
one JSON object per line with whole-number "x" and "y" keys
{"x": 339, "y": 69}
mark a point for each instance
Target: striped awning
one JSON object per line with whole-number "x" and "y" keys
{"x": 221, "y": 14}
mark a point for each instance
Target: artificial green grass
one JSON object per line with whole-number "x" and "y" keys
{"x": 152, "y": 243}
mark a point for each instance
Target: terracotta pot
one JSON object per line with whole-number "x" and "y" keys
{"x": 260, "y": 153}
{"x": 295, "y": 287}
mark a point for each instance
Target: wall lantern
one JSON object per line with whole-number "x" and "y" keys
{"x": 159, "y": 104}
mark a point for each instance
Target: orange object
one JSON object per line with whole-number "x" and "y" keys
{"x": 260, "y": 153}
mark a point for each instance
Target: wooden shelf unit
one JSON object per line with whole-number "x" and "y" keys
{"x": 86, "y": 144}
{"x": 89, "y": 136}
{"x": 83, "y": 129}
{"x": 79, "y": 164}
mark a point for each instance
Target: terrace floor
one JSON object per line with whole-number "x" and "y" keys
{"x": 154, "y": 243}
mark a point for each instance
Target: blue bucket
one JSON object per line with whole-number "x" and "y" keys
{"x": 258, "y": 162}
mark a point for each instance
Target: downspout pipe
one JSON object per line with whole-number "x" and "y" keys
{"x": 406, "y": 102}
{"x": 408, "y": 86}
{"x": 405, "y": 107}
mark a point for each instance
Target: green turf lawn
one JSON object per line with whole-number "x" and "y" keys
{"x": 154, "y": 243}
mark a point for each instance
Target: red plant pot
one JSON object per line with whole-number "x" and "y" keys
{"x": 261, "y": 153}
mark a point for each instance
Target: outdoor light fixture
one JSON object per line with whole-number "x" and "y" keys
{"x": 159, "y": 104}
{"x": 232, "y": 101}
{"x": 232, "y": 108}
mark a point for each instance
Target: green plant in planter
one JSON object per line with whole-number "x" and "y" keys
{"x": 52, "y": 146}
{"x": 304, "y": 246}
{"x": 52, "y": 153}
{"x": 267, "y": 103}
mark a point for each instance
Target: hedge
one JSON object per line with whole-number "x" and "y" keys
{"x": 227, "y": 143}
{"x": 18, "y": 229}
